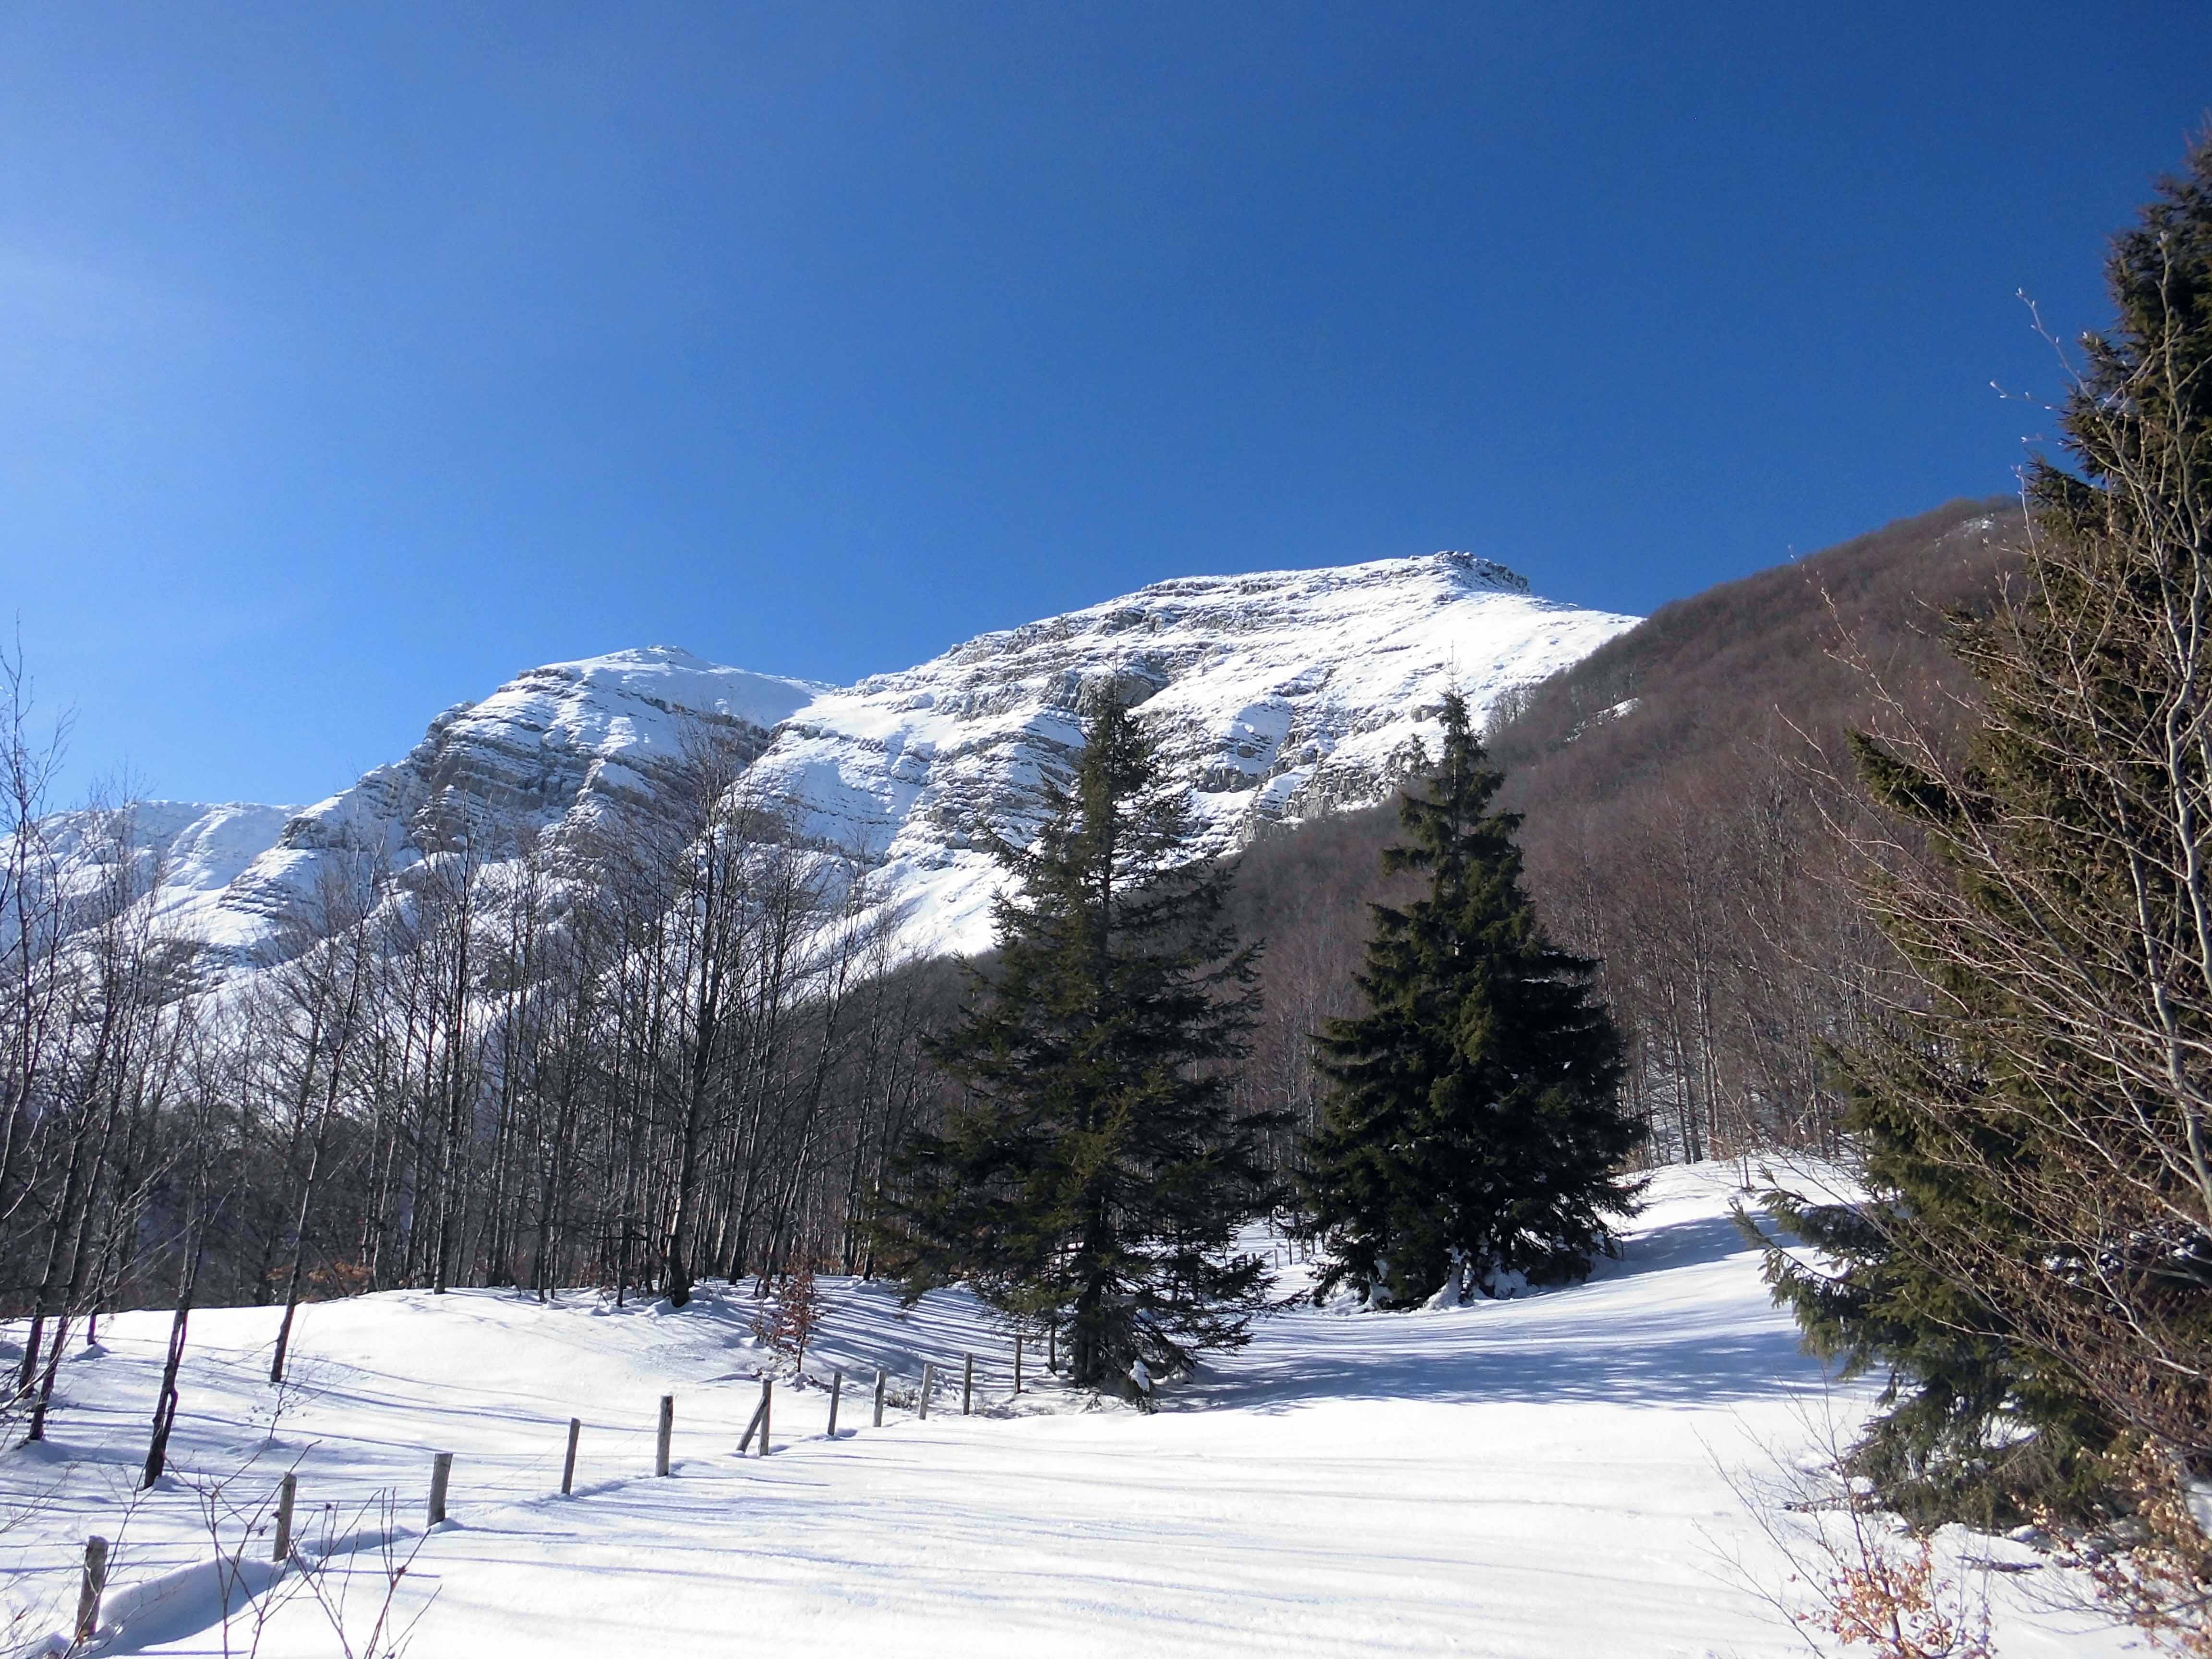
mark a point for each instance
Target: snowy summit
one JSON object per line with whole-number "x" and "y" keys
{"x": 1275, "y": 696}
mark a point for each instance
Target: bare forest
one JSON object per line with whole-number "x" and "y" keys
{"x": 1681, "y": 790}
{"x": 636, "y": 1053}
{"x": 658, "y": 1045}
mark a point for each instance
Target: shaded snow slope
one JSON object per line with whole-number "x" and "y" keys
{"x": 1549, "y": 1476}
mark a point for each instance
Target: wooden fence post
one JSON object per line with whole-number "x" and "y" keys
{"x": 768, "y": 1389}
{"x": 1018, "y": 1364}
{"x": 968, "y": 1387}
{"x": 95, "y": 1585}
{"x": 285, "y": 1493}
{"x": 569, "y": 1463}
{"x": 441, "y": 1472}
{"x": 880, "y": 1380}
{"x": 928, "y": 1382}
{"x": 760, "y": 1413}
{"x": 1052, "y": 1346}
{"x": 667, "y": 1434}
{"x": 836, "y": 1393}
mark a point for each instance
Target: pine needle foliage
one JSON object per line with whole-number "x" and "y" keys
{"x": 1094, "y": 1175}
{"x": 2032, "y": 1258}
{"x": 1974, "y": 1425}
{"x": 1474, "y": 1133}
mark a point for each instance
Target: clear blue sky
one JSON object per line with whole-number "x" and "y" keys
{"x": 353, "y": 358}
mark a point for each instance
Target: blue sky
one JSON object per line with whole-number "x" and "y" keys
{"x": 354, "y": 358}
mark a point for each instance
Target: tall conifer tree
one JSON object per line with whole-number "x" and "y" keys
{"x": 1474, "y": 1133}
{"x": 1094, "y": 1175}
{"x": 2031, "y": 1260}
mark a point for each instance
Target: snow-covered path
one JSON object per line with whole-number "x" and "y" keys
{"x": 1542, "y": 1477}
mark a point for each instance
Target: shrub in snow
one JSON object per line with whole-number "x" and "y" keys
{"x": 787, "y": 1324}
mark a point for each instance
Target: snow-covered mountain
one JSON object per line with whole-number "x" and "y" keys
{"x": 188, "y": 853}
{"x": 549, "y": 744}
{"x": 1275, "y": 696}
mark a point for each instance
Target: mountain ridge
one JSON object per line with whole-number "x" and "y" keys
{"x": 1276, "y": 696}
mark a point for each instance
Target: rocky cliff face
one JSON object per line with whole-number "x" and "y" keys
{"x": 1274, "y": 696}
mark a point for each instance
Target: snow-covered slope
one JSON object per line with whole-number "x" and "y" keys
{"x": 546, "y": 744}
{"x": 187, "y": 854}
{"x": 1561, "y": 1475}
{"x": 1274, "y": 696}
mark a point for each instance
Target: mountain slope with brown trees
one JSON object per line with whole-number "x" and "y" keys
{"x": 1673, "y": 784}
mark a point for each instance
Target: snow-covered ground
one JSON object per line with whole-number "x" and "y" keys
{"x": 1554, "y": 1476}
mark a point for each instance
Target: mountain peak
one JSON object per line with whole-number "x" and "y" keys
{"x": 670, "y": 676}
{"x": 1477, "y": 570}
{"x": 1274, "y": 696}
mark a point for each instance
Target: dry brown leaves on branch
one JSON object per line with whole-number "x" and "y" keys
{"x": 2158, "y": 1576}
{"x": 787, "y": 1324}
{"x": 1892, "y": 1600}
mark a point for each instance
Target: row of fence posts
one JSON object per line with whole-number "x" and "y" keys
{"x": 94, "y": 1585}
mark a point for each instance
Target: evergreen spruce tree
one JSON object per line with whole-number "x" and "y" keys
{"x": 1094, "y": 1176}
{"x": 1975, "y": 1426}
{"x": 1474, "y": 1133}
{"x": 2031, "y": 1260}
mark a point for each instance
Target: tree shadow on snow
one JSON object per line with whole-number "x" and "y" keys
{"x": 1600, "y": 1341}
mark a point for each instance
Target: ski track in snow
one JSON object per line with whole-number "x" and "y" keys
{"x": 1549, "y": 1476}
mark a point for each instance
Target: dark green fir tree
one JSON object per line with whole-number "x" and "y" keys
{"x": 2028, "y": 1258}
{"x": 1474, "y": 1134}
{"x": 1973, "y": 1425}
{"x": 1095, "y": 1174}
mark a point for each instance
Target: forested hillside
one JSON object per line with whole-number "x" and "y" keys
{"x": 1674, "y": 784}
{"x": 664, "y": 1048}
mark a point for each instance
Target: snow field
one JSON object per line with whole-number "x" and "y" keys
{"x": 1549, "y": 1476}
